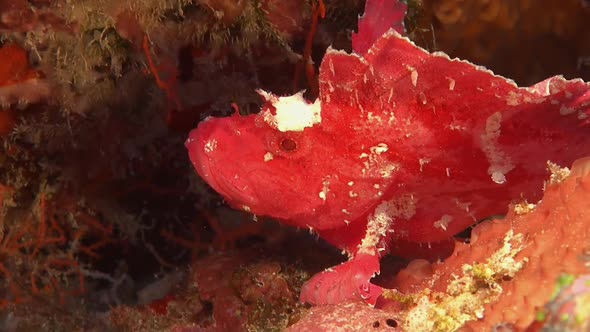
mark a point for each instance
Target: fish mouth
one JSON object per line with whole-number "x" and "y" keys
{"x": 236, "y": 195}
{"x": 220, "y": 173}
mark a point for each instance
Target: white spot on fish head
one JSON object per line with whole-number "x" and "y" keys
{"x": 292, "y": 113}
{"x": 268, "y": 156}
{"x": 513, "y": 99}
{"x": 325, "y": 189}
{"x": 210, "y": 145}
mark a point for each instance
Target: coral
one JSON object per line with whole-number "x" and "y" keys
{"x": 569, "y": 307}
{"x": 96, "y": 98}
{"x": 234, "y": 291}
{"x": 352, "y": 316}
{"x": 20, "y": 85}
{"x": 104, "y": 225}
{"x": 32, "y": 265}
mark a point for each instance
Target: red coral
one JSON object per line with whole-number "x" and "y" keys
{"x": 19, "y": 83}
{"x": 47, "y": 251}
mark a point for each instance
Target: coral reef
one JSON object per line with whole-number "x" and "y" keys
{"x": 239, "y": 290}
{"x": 104, "y": 226}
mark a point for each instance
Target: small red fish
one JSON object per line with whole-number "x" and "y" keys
{"x": 401, "y": 144}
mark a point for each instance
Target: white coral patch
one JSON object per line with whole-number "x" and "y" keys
{"x": 293, "y": 113}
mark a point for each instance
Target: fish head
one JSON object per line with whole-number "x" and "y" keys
{"x": 270, "y": 163}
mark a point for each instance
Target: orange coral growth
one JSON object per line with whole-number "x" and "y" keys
{"x": 41, "y": 251}
{"x": 14, "y": 65}
{"x": 319, "y": 11}
{"x": 14, "y": 68}
{"x": 169, "y": 86}
{"x": 19, "y": 83}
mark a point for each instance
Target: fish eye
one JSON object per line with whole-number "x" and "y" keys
{"x": 288, "y": 145}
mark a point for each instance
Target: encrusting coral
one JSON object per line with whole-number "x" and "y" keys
{"x": 95, "y": 101}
